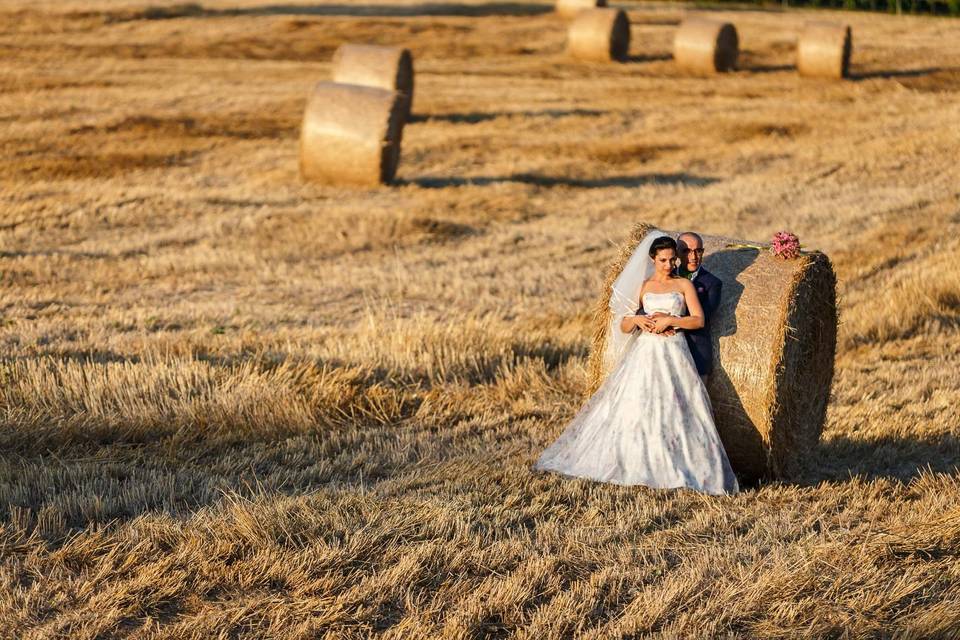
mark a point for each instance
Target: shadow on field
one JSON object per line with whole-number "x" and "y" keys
{"x": 887, "y": 73}
{"x": 723, "y": 7}
{"x": 440, "y": 9}
{"x": 650, "y": 21}
{"x": 657, "y": 57}
{"x": 891, "y": 458}
{"x": 765, "y": 68}
{"x": 474, "y": 117}
{"x": 631, "y": 182}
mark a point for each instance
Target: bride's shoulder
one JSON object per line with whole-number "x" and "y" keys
{"x": 686, "y": 286}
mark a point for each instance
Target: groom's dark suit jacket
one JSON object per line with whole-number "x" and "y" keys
{"x": 701, "y": 346}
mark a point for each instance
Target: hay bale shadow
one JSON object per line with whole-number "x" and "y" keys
{"x": 935, "y": 81}
{"x": 765, "y": 68}
{"x": 435, "y": 9}
{"x": 887, "y": 457}
{"x": 630, "y": 181}
{"x": 649, "y": 21}
{"x": 894, "y": 73}
{"x": 724, "y": 7}
{"x": 474, "y": 117}
{"x": 641, "y": 58}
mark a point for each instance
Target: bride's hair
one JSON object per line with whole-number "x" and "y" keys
{"x": 661, "y": 243}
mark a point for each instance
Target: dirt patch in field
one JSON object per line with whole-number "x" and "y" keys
{"x": 932, "y": 82}
{"x": 436, "y": 230}
{"x": 92, "y": 156}
{"x": 751, "y": 130}
{"x": 143, "y": 142}
{"x": 60, "y": 165}
{"x": 242, "y": 126}
{"x": 39, "y": 22}
{"x": 12, "y": 84}
{"x": 627, "y": 152}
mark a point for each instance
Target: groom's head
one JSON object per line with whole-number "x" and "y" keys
{"x": 690, "y": 251}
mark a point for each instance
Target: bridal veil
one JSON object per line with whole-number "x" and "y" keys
{"x": 625, "y": 298}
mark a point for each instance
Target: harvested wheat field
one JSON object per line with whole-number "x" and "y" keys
{"x": 237, "y": 405}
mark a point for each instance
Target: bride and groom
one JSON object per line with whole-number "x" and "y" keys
{"x": 651, "y": 422}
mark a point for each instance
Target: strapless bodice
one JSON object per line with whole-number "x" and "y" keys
{"x": 671, "y": 302}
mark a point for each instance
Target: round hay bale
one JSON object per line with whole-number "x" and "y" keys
{"x": 599, "y": 35}
{"x": 824, "y": 50}
{"x": 570, "y": 8}
{"x": 388, "y": 68}
{"x": 774, "y": 338}
{"x": 350, "y": 135}
{"x": 706, "y": 46}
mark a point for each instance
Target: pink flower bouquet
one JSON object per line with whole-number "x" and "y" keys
{"x": 785, "y": 245}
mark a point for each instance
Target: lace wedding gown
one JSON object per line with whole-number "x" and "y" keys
{"x": 650, "y": 422}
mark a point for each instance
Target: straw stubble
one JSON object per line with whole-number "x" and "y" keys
{"x": 254, "y": 412}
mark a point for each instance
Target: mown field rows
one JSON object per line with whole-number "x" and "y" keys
{"x": 236, "y": 405}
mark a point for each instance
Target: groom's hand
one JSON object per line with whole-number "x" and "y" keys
{"x": 662, "y": 323}
{"x": 649, "y": 324}
{"x": 645, "y": 323}
{"x": 652, "y": 319}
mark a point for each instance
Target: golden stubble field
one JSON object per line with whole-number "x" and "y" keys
{"x": 235, "y": 405}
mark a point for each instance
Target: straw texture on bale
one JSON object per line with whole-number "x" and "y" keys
{"x": 824, "y": 50}
{"x": 388, "y": 68}
{"x": 570, "y": 8}
{"x": 706, "y": 46}
{"x": 599, "y": 35}
{"x": 774, "y": 338}
{"x": 350, "y": 135}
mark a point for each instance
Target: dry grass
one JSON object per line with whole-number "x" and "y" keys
{"x": 235, "y": 405}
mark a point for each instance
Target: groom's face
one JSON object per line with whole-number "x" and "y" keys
{"x": 690, "y": 249}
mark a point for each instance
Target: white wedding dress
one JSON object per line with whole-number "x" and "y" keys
{"x": 650, "y": 422}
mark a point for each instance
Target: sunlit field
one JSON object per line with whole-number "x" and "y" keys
{"x": 236, "y": 405}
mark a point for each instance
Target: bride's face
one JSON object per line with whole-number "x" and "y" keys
{"x": 664, "y": 261}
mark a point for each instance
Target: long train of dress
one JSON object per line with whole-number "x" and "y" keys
{"x": 650, "y": 422}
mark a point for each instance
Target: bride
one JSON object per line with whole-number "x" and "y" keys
{"x": 650, "y": 422}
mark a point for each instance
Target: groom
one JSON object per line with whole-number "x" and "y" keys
{"x": 708, "y": 286}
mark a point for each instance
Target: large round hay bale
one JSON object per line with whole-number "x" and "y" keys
{"x": 706, "y": 46}
{"x": 774, "y": 340}
{"x": 570, "y": 8}
{"x": 823, "y": 50}
{"x": 388, "y": 68}
{"x": 599, "y": 35}
{"x": 350, "y": 135}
